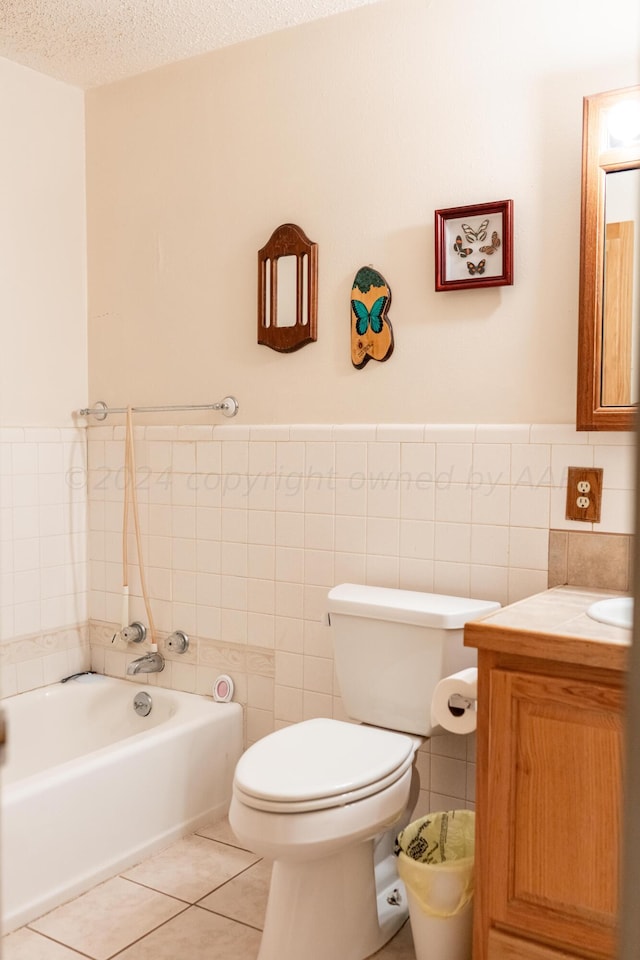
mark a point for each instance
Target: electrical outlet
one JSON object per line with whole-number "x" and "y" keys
{"x": 584, "y": 494}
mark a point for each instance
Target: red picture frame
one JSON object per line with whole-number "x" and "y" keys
{"x": 474, "y": 246}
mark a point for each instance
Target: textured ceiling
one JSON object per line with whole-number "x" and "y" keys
{"x": 91, "y": 42}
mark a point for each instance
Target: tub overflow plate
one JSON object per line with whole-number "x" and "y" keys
{"x": 142, "y": 703}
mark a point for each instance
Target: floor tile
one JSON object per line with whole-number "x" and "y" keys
{"x": 220, "y": 830}
{"x": 191, "y": 868}
{"x": 245, "y": 897}
{"x": 108, "y": 918}
{"x": 400, "y": 948}
{"x": 25, "y": 944}
{"x": 197, "y": 935}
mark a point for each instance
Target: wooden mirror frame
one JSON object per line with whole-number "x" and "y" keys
{"x": 597, "y": 161}
{"x": 288, "y": 240}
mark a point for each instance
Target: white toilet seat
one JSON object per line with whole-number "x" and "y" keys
{"x": 319, "y": 764}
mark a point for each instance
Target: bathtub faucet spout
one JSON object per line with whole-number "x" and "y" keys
{"x": 149, "y": 663}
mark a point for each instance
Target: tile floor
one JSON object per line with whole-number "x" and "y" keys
{"x": 202, "y": 898}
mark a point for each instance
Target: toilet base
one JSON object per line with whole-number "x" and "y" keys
{"x": 330, "y": 908}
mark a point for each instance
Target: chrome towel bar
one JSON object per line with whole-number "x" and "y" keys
{"x": 228, "y": 406}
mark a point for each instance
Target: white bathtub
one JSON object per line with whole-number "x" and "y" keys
{"x": 89, "y": 788}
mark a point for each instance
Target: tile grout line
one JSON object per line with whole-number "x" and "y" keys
{"x": 146, "y": 886}
{"x": 217, "y": 913}
{"x": 119, "y": 953}
{"x": 46, "y": 936}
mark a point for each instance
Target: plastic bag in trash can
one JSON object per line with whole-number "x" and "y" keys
{"x": 435, "y": 860}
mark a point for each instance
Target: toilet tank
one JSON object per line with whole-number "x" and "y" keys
{"x": 391, "y": 648}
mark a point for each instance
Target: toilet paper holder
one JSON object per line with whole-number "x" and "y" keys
{"x": 457, "y": 702}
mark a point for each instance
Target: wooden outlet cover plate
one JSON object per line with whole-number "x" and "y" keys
{"x": 584, "y": 494}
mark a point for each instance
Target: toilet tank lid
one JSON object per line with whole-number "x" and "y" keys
{"x": 406, "y": 606}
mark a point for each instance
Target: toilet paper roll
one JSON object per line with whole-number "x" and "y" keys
{"x": 465, "y": 685}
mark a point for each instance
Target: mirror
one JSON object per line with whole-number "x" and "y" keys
{"x": 287, "y": 298}
{"x": 609, "y": 319}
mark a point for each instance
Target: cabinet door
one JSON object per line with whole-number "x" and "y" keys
{"x": 554, "y": 809}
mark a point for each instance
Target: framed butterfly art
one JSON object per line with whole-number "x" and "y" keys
{"x": 474, "y": 246}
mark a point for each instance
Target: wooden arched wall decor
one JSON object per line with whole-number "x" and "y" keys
{"x": 287, "y": 291}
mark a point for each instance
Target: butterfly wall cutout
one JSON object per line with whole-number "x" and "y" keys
{"x": 371, "y": 331}
{"x": 373, "y": 318}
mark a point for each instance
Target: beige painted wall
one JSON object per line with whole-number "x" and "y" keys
{"x": 43, "y": 325}
{"x": 356, "y": 127}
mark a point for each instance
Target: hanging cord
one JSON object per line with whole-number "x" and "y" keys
{"x": 130, "y": 496}
{"x": 124, "y": 618}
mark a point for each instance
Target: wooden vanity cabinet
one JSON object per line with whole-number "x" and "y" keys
{"x": 548, "y": 803}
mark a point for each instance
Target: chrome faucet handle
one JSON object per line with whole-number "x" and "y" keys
{"x": 178, "y": 642}
{"x": 136, "y": 632}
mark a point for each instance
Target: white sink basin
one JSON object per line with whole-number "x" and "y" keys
{"x": 617, "y": 611}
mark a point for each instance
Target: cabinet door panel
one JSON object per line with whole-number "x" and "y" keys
{"x": 504, "y": 947}
{"x": 554, "y": 802}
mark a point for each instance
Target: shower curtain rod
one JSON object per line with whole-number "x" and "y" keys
{"x": 228, "y": 406}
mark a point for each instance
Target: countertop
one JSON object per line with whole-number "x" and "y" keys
{"x": 553, "y": 625}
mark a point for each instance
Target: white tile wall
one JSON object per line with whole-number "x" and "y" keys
{"x": 43, "y": 555}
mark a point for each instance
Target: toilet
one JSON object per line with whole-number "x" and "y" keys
{"x": 324, "y": 799}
